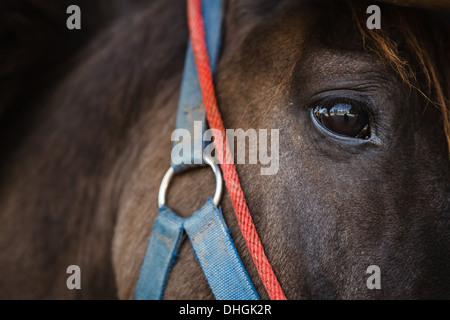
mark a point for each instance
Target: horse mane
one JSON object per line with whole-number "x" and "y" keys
{"x": 427, "y": 40}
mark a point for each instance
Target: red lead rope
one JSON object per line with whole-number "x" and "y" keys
{"x": 197, "y": 33}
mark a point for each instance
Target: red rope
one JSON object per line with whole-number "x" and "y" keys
{"x": 197, "y": 33}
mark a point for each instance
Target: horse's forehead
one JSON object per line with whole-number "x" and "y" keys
{"x": 287, "y": 25}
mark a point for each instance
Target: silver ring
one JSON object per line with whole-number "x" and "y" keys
{"x": 170, "y": 173}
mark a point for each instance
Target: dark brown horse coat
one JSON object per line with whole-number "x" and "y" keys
{"x": 86, "y": 118}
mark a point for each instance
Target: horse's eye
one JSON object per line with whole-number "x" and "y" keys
{"x": 344, "y": 119}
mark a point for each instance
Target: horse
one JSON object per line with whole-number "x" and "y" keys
{"x": 86, "y": 118}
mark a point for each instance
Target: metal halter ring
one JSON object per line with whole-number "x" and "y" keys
{"x": 171, "y": 172}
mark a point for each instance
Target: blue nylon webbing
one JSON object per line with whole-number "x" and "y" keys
{"x": 206, "y": 228}
{"x": 218, "y": 256}
{"x": 190, "y": 105}
{"x": 212, "y": 245}
{"x": 162, "y": 250}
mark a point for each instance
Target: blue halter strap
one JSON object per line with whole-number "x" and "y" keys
{"x": 206, "y": 228}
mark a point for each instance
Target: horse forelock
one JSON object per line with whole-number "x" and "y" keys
{"x": 428, "y": 49}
